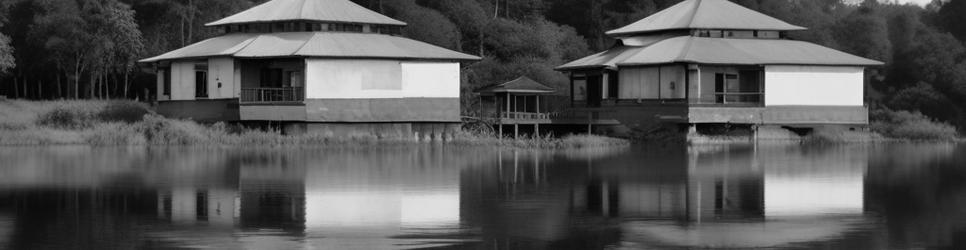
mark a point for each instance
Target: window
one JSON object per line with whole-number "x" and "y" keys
{"x": 613, "y": 85}
{"x": 715, "y": 33}
{"x": 166, "y": 81}
{"x": 345, "y": 27}
{"x": 294, "y": 79}
{"x": 723, "y": 84}
{"x": 271, "y": 77}
{"x": 580, "y": 89}
{"x": 201, "y": 81}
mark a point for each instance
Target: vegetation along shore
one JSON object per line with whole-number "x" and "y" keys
{"x": 94, "y": 122}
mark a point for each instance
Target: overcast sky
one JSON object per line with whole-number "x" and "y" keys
{"x": 919, "y": 2}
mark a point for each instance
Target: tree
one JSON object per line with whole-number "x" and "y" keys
{"x": 865, "y": 35}
{"x": 952, "y": 17}
{"x": 7, "y": 60}
{"x": 96, "y": 37}
{"x": 425, "y": 24}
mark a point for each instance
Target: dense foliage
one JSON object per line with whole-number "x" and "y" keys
{"x": 88, "y": 48}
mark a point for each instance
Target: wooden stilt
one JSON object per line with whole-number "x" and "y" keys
{"x": 536, "y": 129}
{"x": 516, "y": 131}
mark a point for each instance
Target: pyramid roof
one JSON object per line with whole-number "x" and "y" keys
{"x": 342, "y": 11}
{"x": 705, "y": 14}
{"x": 522, "y": 84}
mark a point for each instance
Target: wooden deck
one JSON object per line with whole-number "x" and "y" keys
{"x": 563, "y": 118}
{"x": 780, "y": 115}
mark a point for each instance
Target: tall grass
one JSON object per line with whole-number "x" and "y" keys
{"x": 911, "y": 126}
{"x": 131, "y": 123}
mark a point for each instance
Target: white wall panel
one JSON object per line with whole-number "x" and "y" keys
{"x": 638, "y": 83}
{"x": 344, "y": 79}
{"x": 431, "y": 79}
{"x": 183, "y": 80}
{"x": 814, "y": 86}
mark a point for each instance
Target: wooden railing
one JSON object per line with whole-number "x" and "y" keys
{"x": 739, "y": 97}
{"x": 270, "y": 95}
{"x": 525, "y": 115}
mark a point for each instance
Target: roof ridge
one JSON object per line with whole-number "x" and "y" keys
{"x": 249, "y": 43}
{"x": 687, "y": 48}
{"x": 694, "y": 13}
{"x": 307, "y": 41}
{"x": 302, "y": 9}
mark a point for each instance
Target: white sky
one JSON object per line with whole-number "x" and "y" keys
{"x": 919, "y": 2}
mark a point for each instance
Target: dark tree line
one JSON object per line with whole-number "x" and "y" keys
{"x": 88, "y": 48}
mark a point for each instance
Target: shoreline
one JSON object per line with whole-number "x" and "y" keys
{"x": 129, "y": 123}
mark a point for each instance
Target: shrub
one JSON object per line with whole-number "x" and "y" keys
{"x": 66, "y": 117}
{"x": 910, "y": 125}
{"x": 115, "y": 134}
{"x": 123, "y": 111}
{"x": 162, "y": 131}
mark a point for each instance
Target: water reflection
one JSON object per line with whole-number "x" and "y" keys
{"x": 881, "y": 196}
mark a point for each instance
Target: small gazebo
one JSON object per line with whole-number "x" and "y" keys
{"x": 516, "y": 99}
{"x": 515, "y": 102}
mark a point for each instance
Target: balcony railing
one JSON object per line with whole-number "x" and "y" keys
{"x": 738, "y": 97}
{"x": 272, "y": 95}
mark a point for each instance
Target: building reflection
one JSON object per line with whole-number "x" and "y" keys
{"x": 433, "y": 197}
{"x": 732, "y": 196}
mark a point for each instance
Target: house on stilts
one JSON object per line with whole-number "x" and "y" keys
{"x": 714, "y": 62}
{"x": 330, "y": 67}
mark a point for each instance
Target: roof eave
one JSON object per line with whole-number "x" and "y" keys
{"x": 614, "y": 33}
{"x": 584, "y": 67}
{"x": 220, "y": 23}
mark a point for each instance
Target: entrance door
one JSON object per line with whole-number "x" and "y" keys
{"x": 595, "y": 90}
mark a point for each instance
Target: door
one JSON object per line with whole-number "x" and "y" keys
{"x": 595, "y": 90}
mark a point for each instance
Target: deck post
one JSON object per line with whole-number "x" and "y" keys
{"x": 500, "y": 127}
{"x": 538, "y": 103}
{"x": 516, "y": 131}
{"x": 536, "y": 129}
{"x": 508, "y": 105}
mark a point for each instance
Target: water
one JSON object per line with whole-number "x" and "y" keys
{"x": 850, "y": 196}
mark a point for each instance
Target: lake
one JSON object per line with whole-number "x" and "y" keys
{"x": 440, "y": 197}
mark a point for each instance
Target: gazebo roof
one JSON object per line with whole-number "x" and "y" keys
{"x": 342, "y": 11}
{"x": 313, "y": 44}
{"x": 522, "y": 84}
{"x": 705, "y": 14}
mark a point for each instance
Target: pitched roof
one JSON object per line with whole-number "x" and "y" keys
{"x": 704, "y": 50}
{"x": 313, "y": 44}
{"x": 522, "y": 84}
{"x": 705, "y": 14}
{"x": 311, "y": 10}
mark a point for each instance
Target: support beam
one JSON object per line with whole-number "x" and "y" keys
{"x": 508, "y": 105}
{"x": 516, "y": 131}
{"x": 538, "y": 103}
{"x": 536, "y": 129}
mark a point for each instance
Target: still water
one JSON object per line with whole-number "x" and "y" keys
{"x": 783, "y": 196}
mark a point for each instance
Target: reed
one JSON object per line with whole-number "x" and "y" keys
{"x": 110, "y": 123}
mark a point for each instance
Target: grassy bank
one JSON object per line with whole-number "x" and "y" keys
{"x": 911, "y": 126}
{"x": 132, "y": 123}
